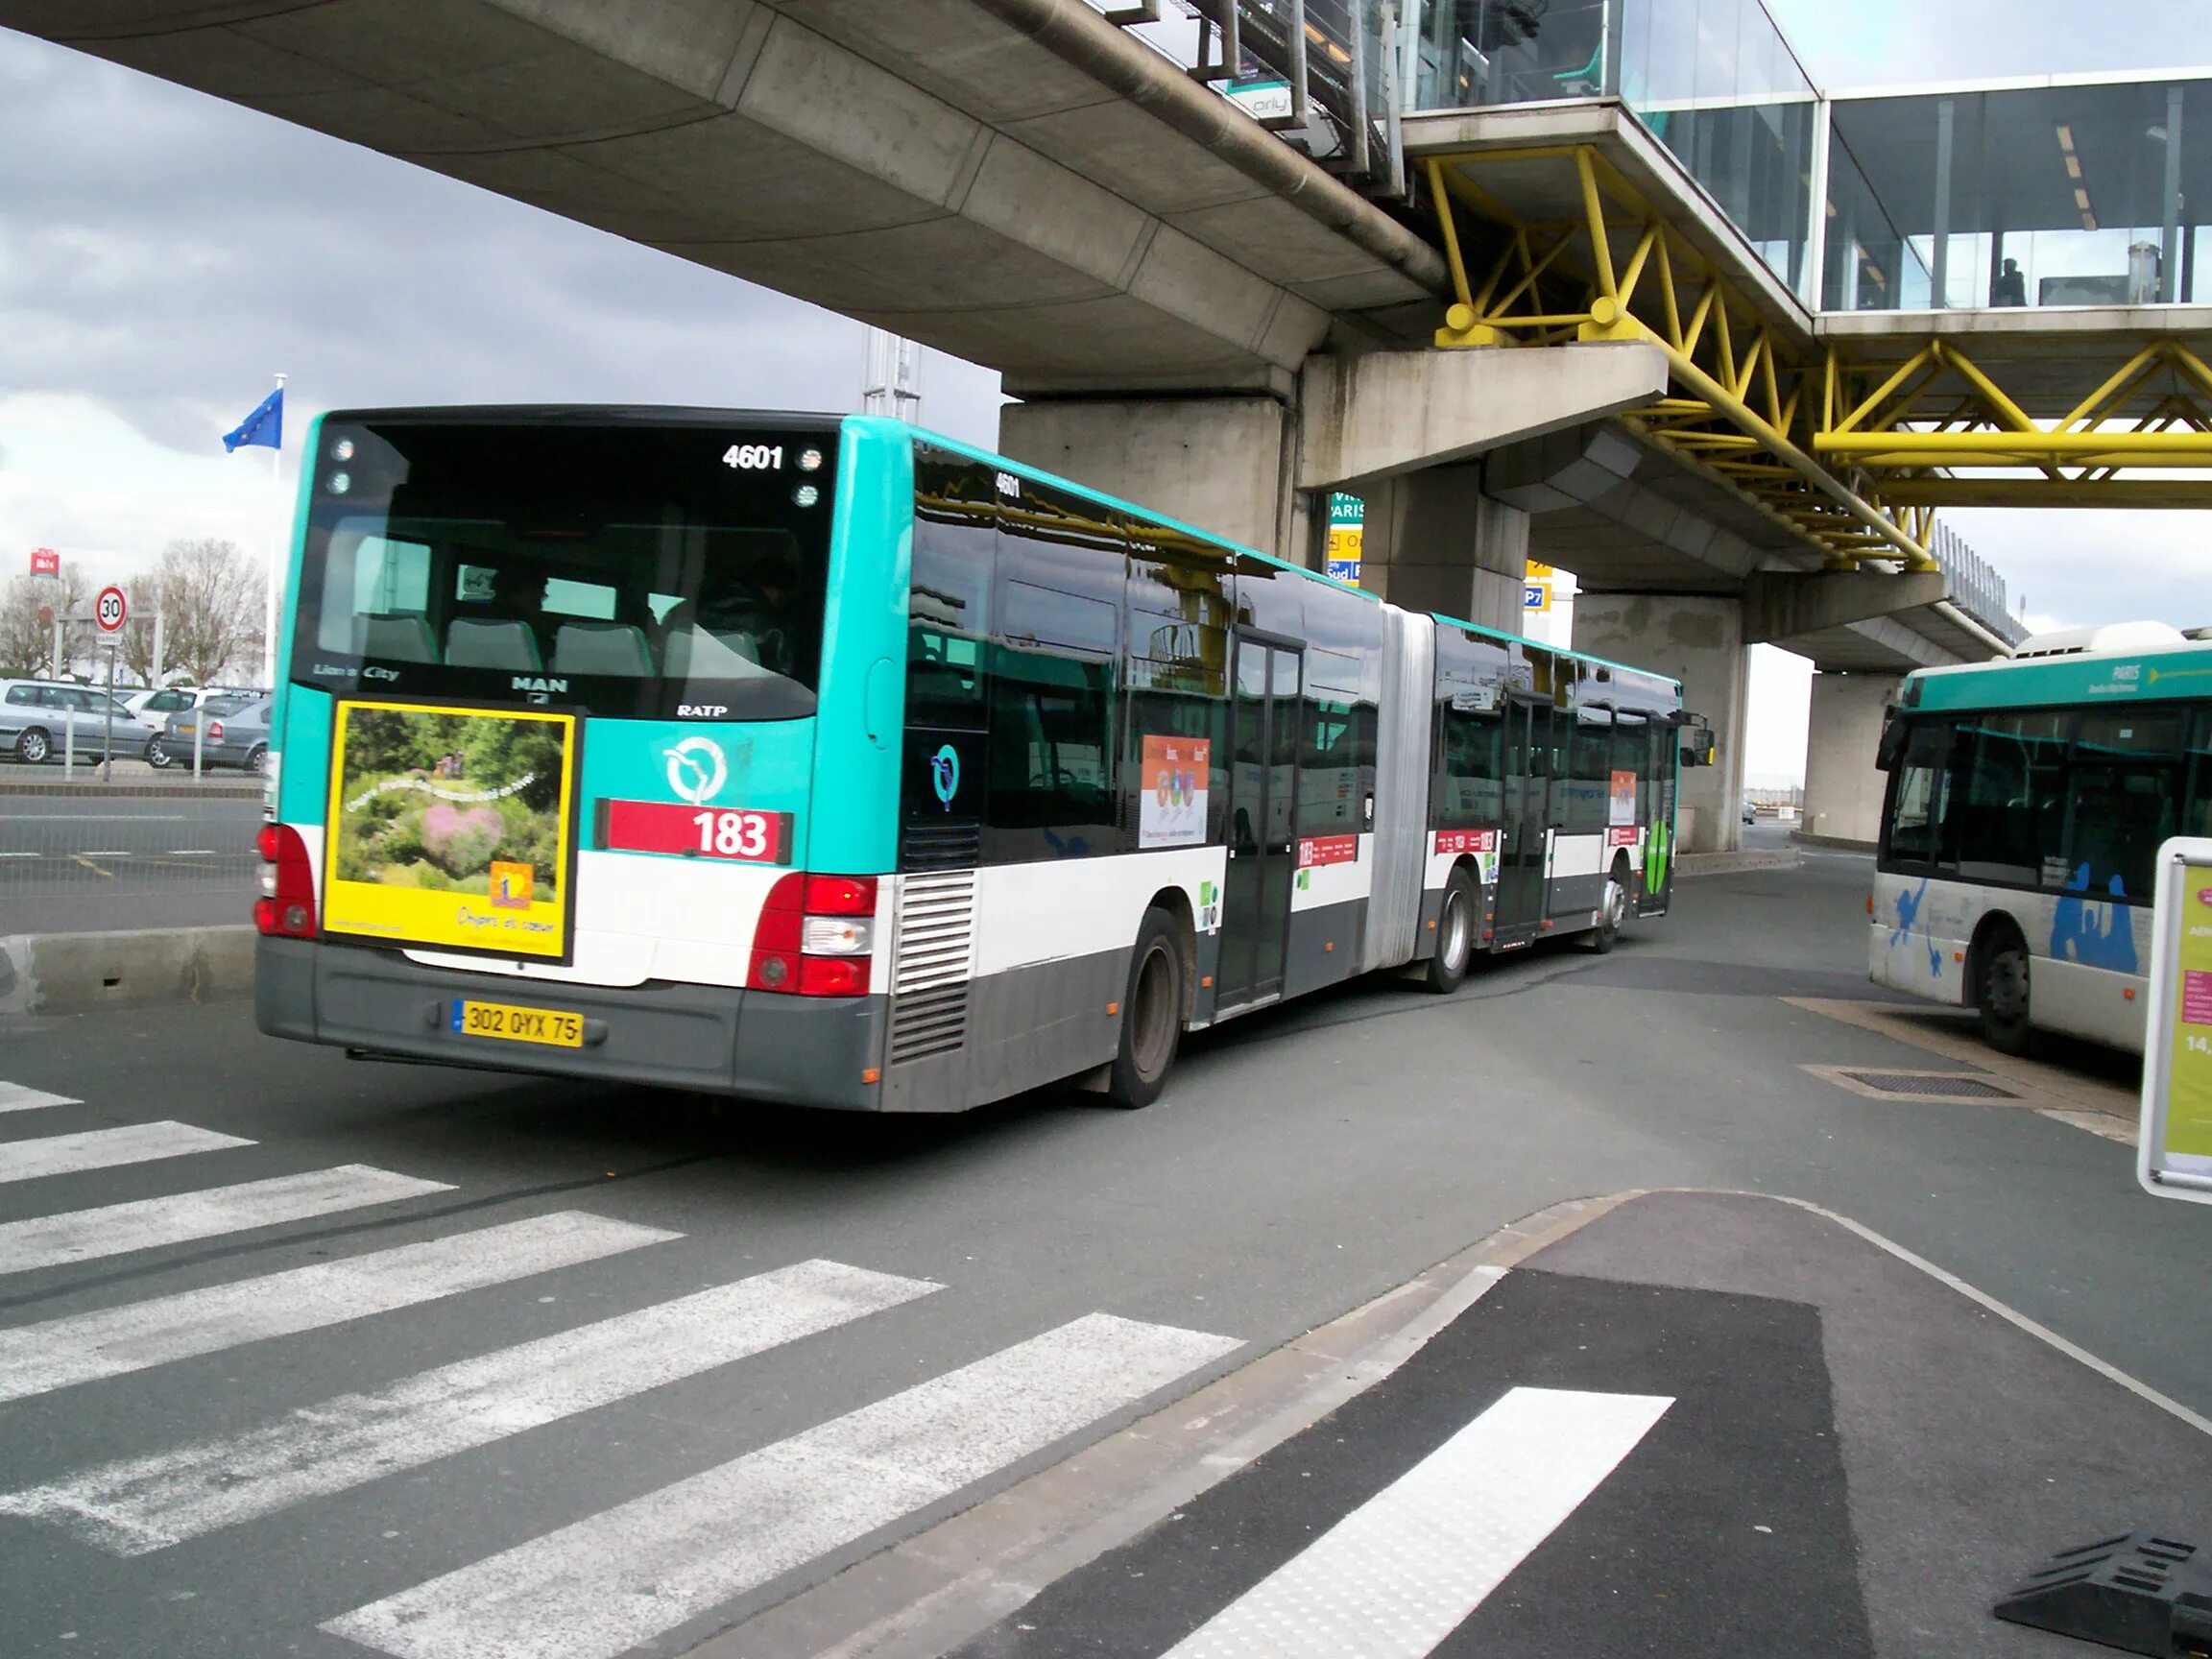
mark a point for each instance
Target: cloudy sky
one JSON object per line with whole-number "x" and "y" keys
{"x": 163, "y": 253}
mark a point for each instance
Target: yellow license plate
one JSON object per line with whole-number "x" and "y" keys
{"x": 513, "y": 1025}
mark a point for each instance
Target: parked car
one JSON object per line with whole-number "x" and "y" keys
{"x": 237, "y": 733}
{"x": 36, "y": 717}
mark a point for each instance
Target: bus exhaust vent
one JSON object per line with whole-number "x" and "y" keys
{"x": 934, "y": 960}
{"x": 956, "y": 845}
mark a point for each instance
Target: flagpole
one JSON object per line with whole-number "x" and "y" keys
{"x": 277, "y": 551}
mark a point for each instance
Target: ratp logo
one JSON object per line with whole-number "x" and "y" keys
{"x": 697, "y": 770}
{"x": 944, "y": 775}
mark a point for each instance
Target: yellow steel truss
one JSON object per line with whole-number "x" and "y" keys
{"x": 1855, "y": 458}
{"x": 1738, "y": 390}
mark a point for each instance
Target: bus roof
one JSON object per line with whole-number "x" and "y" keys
{"x": 1038, "y": 473}
{"x": 2167, "y": 673}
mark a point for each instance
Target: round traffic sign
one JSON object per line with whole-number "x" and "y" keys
{"x": 111, "y": 609}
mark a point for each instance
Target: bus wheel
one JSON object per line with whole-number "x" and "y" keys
{"x": 2003, "y": 994}
{"x": 1612, "y": 909}
{"x": 1454, "y": 934}
{"x": 1151, "y": 1015}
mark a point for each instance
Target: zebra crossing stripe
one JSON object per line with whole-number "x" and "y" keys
{"x": 149, "y": 1223}
{"x": 106, "y": 1148}
{"x": 61, "y": 1353}
{"x": 135, "y": 1506}
{"x": 1399, "y": 1574}
{"x": 623, "y": 1577}
{"x": 22, "y": 1097}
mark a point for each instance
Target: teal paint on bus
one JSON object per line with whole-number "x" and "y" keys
{"x": 287, "y": 608}
{"x": 304, "y": 776}
{"x": 2180, "y": 673}
{"x": 862, "y": 697}
{"x": 752, "y": 766}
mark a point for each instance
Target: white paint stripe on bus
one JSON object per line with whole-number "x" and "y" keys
{"x": 1399, "y": 1574}
{"x": 139, "y": 1504}
{"x": 106, "y": 1148}
{"x": 604, "y": 1584}
{"x": 149, "y": 1223}
{"x": 111, "y": 1341}
{"x": 22, "y": 1097}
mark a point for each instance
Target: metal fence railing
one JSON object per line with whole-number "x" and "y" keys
{"x": 143, "y": 848}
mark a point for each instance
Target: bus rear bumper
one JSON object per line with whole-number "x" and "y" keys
{"x": 759, "y": 1044}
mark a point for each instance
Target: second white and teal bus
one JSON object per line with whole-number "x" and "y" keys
{"x": 2025, "y": 805}
{"x": 825, "y": 761}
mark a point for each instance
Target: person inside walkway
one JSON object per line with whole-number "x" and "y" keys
{"x": 2008, "y": 287}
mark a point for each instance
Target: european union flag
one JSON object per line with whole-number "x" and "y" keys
{"x": 265, "y": 426}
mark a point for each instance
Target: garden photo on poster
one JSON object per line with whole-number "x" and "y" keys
{"x": 449, "y": 827}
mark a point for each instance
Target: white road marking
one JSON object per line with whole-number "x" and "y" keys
{"x": 108, "y": 853}
{"x": 1399, "y": 1574}
{"x": 105, "y": 818}
{"x": 106, "y": 1148}
{"x": 139, "y": 1504}
{"x": 192, "y": 852}
{"x": 623, "y": 1577}
{"x": 22, "y": 855}
{"x": 22, "y": 1097}
{"x": 148, "y": 1223}
{"x": 60, "y": 1352}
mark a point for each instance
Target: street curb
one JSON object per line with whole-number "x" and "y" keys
{"x": 1689, "y": 864}
{"x": 83, "y": 973}
{"x": 1843, "y": 843}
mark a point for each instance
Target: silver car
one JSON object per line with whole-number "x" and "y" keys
{"x": 236, "y": 732}
{"x": 36, "y": 717}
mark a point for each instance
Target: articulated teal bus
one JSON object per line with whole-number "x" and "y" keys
{"x": 822, "y": 761}
{"x": 2026, "y": 803}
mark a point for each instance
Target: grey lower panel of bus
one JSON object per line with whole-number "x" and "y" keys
{"x": 1324, "y": 946}
{"x": 764, "y": 1045}
{"x": 1570, "y": 894}
{"x": 1017, "y": 1030}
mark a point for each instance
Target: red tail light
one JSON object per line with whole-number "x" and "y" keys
{"x": 287, "y": 911}
{"x": 814, "y": 936}
{"x": 214, "y": 730}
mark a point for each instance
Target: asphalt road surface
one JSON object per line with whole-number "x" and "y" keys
{"x": 85, "y": 860}
{"x": 386, "y": 1358}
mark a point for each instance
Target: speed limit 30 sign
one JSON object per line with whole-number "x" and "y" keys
{"x": 111, "y": 610}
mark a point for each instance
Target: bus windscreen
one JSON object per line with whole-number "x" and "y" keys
{"x": 627, "y": 570}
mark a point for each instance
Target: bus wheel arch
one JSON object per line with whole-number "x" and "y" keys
{"x": 1611, "y": 905}
{"x": 1999, "y": 976}
{"x": 1458, "y": 928}
{"x": 1154, "y": 1008}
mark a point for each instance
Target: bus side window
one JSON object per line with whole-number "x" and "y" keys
{"x": 2198, "y": 819}
{"x": 2124, "y": 800}
{"x": 2011, "y": 815}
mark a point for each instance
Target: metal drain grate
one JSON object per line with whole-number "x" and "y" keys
{"x": 1945, "y": 1085}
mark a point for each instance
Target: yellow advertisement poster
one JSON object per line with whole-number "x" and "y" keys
{"x": 450, "y": 827}
{"x": 2189, "y": 1081}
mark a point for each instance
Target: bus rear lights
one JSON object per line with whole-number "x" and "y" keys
{"x": 805, "y": 495}
{"x": 809, "y": 460}
{"x": 815, "y": 936}
{"x": 287, "y": 909}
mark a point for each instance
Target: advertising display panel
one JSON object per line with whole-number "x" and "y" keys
{"x": 452, "y": 828}
{"x": 2174, "y": 1157}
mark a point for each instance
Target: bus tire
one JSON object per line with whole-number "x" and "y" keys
{"x": 1151, "y": 1015}
{"x": 1612, "y": 908}
{"x": 2002, "y": 992}
{"x": 1454, "y": 934}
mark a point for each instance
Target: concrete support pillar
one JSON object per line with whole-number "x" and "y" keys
{"x": 1433, "y": 541}
{"x": 1843, "y": 790}
{"x": 1698, "y": 640}
{"x": 1223, "y": 464}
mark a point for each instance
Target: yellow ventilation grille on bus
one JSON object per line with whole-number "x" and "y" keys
{"x": 934, "y": 962}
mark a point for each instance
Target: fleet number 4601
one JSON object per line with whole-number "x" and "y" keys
{"x": 755, "y": 457}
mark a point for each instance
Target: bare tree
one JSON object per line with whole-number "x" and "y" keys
{"x": 27, "y": 609}
{"x": 209, "y": 597}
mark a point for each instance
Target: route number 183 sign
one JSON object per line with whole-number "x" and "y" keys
{"x": 2173, "y": 1159}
